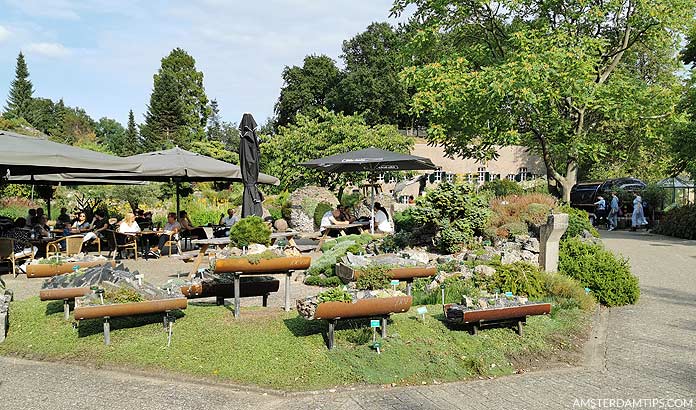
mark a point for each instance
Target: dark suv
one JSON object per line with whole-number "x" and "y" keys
{"x": 584, "y": 194}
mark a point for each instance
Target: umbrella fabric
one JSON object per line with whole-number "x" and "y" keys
{"x": 179, "y": 165}
{"x": 65, "y": 179}
{"x": 370, "y": 160}
{"x": 23, "y": 155}
{"x": 249, "y": 164}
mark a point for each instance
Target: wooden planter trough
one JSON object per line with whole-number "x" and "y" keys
{"x": 256, "y": 286}
{"x": 515, "y": 316}
{"x": 407, "y": 274}
{"x": 131, "y": 309}
{"x": 362, "y": 309}
{"x": 241, "y": 266}
{"x": 64, "y": 294}
{"x": 40, "y": 270}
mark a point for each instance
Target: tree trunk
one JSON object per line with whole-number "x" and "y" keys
{"x": 571, "y": 178}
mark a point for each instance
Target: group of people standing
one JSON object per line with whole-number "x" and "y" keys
{"x": 638, "y": 219}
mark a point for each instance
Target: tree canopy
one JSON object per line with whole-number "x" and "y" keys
{"x": 21, "y": 91}
{"x": 574, "y": 81}
{"x": 322, "y": 134}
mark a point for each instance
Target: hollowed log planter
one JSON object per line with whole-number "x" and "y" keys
{"x": 40, "y": 270}
{"x": 130, "y": 309}
{"x": 248, "y": 287}
{"x": 505, "y": 316}
{"x": 363, "y": 308}
{"x": 408, "y": 274}
{"x": 63, "y": 293}
{"x": 275, "y": 265}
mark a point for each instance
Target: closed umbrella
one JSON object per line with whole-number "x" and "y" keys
{"x": 372, "y": 160}
{"x": 249, "y": 164}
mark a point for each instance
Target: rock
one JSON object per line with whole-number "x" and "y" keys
{"x": 530, "y": 256}
{"x": 521, "y": 239}
{"x": 256, "y": 248}
{"x": 510, "y": 257}
{"x": 417, "y": 255}
{"x": 531, "y": 245}
{"x": 511, "y": 247}
{"x": 291, "y": 252}
{"x": 586, "y": 234}
{"x": 302, "y": 219}
{"x": 445, "y": 258}
{"x": 466, "y": 274}
{"x": 484, "y": 270}
{"x": 281, "y": 225}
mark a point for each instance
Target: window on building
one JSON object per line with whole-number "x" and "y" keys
{"x": 511, "y": 177}
{"x": 470, "y": 178}
{"x": 438, "y": 175}
{"x": 450, "y": 177}
{"x": 380, "y": 177}
{"x": 523, "y": 173}
{"x": 392, "y": 178}
{"x": 481, "y": 175}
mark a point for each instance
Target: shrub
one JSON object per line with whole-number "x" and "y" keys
{"x": 679, "y": 222}
{"x": 567, "y": 291}
{"x": 327, "y": 261}
{"x": 453, "y": 237}
{"x": 361, "y": 240}
{"x": 373, "y": 278}
{"x": 250, "y": 230}
{"x": 404, "y": 221}
{"x": 324, "y": 282}
{"x": 455, "y": 288}
{"x": 502, "y": 187}
{"x": 513, "y": 229}
{"x": 337, "y": 294}
{"x": 608, "y": 277}
{"x": 578, "y": 221}
{"x": 350, "y": 200}
{"x": 509, "y": 213}
{"x": 319, "y": 212}
{"x": 520, "y": 278}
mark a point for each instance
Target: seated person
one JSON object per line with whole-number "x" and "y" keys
{"x": 139, "y": 216}
{"x": 226, "y": 221}
{"x": 187, "y": 228}
{"x": 81, "y": 225}
{"x": 382, "y": 222}
{"x": 129, "y": 224}
{"x": 21, "y": 236}
{"x": 345, "y": 214}
{"x": 331, "y": 218}
{"x": 40, "y": 226}
{"x": 171, "y": 230}
{"x": 31, "y": 219}
{"x": 99, "y": 225}
{"x": 63, "y": 218}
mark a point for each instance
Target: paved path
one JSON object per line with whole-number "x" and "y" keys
{"x": 649, "y": 352}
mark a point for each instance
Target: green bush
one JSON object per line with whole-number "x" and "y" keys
{"x": 361, "y": 240}
{"x": 319, "y": 212}
{"x": 578, "y": 221}
{"x": 327, "y": 261}
{"x": 350, "y": 200}
{"x": 608, "y": 277}
{"x": 373, "y": 278}
{"x": 396, "y": 242}
{"x": 515, "y": 228}
{"x": 337, "y": 294}
{"x": 250, "y": 230}
{"x": 403, "y": 221}
{"x": 455, "y": 288}
{"x": 567, "y": 292}
{"x": 14, "y": 212}
{"x": 520, "y": 278}
{"x": 679, "y": 222}
{"x": 502, "y": 187}
{"x": 324, "y": 282}
{"x": 453, "y": 237}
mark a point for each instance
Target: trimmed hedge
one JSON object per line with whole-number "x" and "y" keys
{"x": 608, "y": 277}
{"x": 679, "y": 222}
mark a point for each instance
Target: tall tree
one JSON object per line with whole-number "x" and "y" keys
{"x": 112, "y": 136}
{"x": 21, "y": 91}
{"x": 307, "y": 88}
{"x": 183, "y": 121}
{"x": 132, "y": 136}
{"x": 214, "y": 131}
{"x": 574, "y": 81}
{"x": 164, "y": 120}
{"x": 371, "y": 85}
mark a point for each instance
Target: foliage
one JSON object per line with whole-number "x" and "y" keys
{"x": 215, "y": 149}
{"x": 454, "y": 212}
{"x": 373, "y": 278}
{"x": 281, "y": 350}
{"x": 251, "y": 229}
{"x": 502, "y": 187}
{"x": 679, "y": 222}
{"x": 256, "y": 258}
{"x": 14, "y": 212}
{"x": 122, "y": 295}
{"x": 520, "y": 278}
{"x": 361, "y": 240}
{"x": 225, "y": 132}
{"x": 404, "y": 221}
{"x": 331, "y": 134}
{"x": 539, "y": 73}
{"x": 350, "y": 200}
{"x": 111, "y": 135}
{"x": 19, "y": 100}
{"x": 319, "y": 212}
{"x": 608, "y": 277}
{"x": 132, "y": 136}
{"x": 396, "y": 242}
{"x": 567, "y": 292}
{"x": 517, "y": 214}
{"x": 333, "y": 251}
{"x": 317, "y": 280}
{"x": 578, "y": 222}
{"x": 337, "y": 294}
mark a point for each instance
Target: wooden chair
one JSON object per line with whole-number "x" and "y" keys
{"x": 7, "y": 253}
{"x": 121, "y": 242}
{"x": 173, "y": 241}
{"x": 73, "y": 245}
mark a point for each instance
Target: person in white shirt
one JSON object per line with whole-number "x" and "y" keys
{"x": 128, "y": 224}
{"x": 382, "y": 222}
{"x": 331, "y": 218}
{"x": 230, "y": 219}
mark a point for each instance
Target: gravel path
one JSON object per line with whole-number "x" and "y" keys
{"x": 643, "y": 353}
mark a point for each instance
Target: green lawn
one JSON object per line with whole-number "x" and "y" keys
{"x": 275, "y": 349}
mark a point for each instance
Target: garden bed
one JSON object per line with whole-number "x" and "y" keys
{"x": 45, "y": 270}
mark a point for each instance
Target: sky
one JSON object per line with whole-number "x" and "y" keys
{"x": 101, "y": 54}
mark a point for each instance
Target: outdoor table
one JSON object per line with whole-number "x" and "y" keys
{"x": 342, "y": 230}
{"x": 144, "y": 239}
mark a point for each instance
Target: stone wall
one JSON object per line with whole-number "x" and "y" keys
{"x": 303, "y": 202}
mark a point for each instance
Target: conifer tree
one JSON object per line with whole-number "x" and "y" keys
{"x": 19, "y": 102}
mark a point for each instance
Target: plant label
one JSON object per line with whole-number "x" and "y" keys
{"x": 422, "y": 310}
{"x": 374, "y": 323}
{"x": 587, "y": 290}
{"x": 395, "y": 282}
{"x": 508, "y": 294}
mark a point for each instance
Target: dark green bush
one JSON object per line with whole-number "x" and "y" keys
{"x": 373, "y": 278}
{"x": 319, "y": 212}
{"x": 567, "y": 292}
{"x": 520, "y": 278}
{"x": 679, "y": 222}
{"x": 324, "y": 282}
{"x": 250, "y": 230}
{"x": 396, "y": 242}
{"x": 578, "y": 221}
{"x": 453, "y": 237}
{"x": 608, "y": 277}
{"x": 404, "y": 221}
{"x": 503, "y": 187}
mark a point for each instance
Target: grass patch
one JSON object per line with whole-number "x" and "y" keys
{"x": 282, "y": 350}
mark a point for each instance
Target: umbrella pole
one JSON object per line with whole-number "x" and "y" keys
{"x": 372, "y": 208}
{"x": 177, "y": 198}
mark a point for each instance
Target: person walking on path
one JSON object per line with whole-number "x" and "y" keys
{"x": 637, "y": 218}
{"x": 613, "y": 212}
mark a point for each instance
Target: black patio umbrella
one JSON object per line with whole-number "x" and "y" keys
{"x": 372, "y": 160}
{"x": 249, "y": 163}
